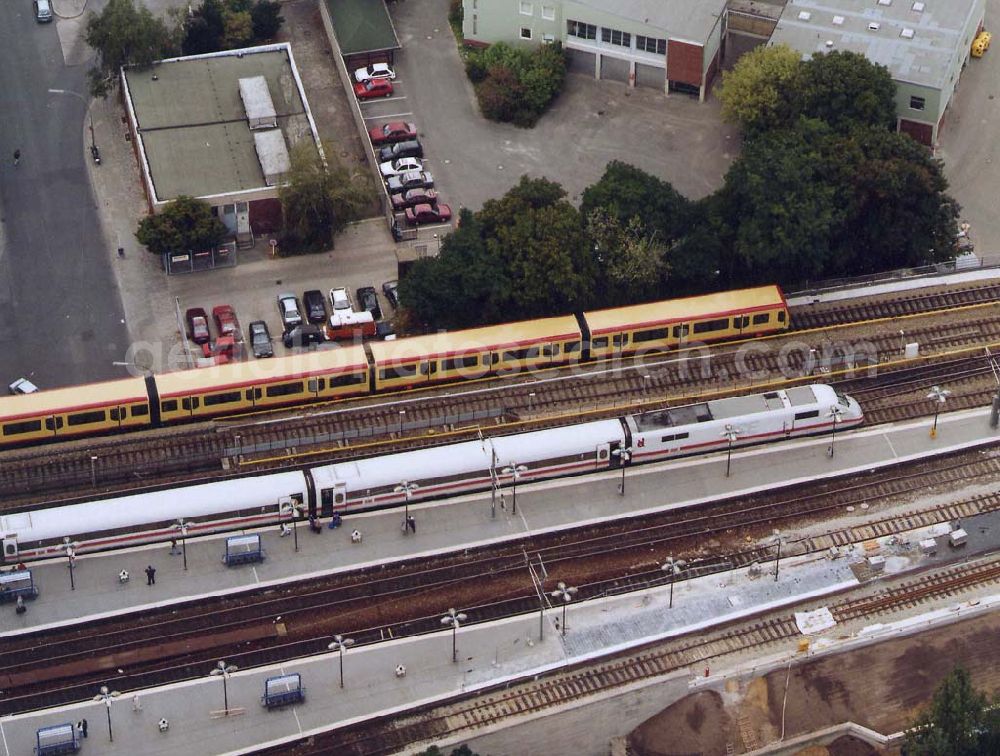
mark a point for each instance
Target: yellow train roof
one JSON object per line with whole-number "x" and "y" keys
{"x": 484, "y": 339}
{"x": 74, "y": 399}
{"x": 238, "y": 374}
{"x": 683, "y": 310}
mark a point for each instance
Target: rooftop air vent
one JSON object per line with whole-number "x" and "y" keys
{"x": 838, "y": 20}
{"x": 874, "y": 26}
{"x": 906, "y": 34}
{"x": 885, "y": 2}
{"x": 918, "y": 7}
{"x": 804, "y": 15}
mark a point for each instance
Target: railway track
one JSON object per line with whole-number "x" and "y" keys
{"x": 407, "y": 599}
{"x": 691, "y": 652}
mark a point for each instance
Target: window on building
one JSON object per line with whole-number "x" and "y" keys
{"x": 475, "y": 24}
{"x": 549, "y": 12}
{"x": 615, "y": 37}
{"x": 549, "y": 38}
{"x": 527, "y": 9}
{"x": 917, "y": 103}
{"x": 525, "y": 32}
{"x": 651, "y": 45}
{"x": 581, "y": 30}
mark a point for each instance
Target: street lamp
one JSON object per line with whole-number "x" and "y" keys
{"x": 402, "y": 416}
{"x": 224, "y": 670}
{"x": 673, "y": 567}
{"x": 106, "y": 697}
{"x": 779, "y": 538}
{"x": 340, "y": 643}
{"x": 834, "y": 415}
{"x": 731, "y": 434}
{"x": 937, "y": 395}
{"x": 294, "y": 511}
{"x": 93, "y": 470}
{"x": 70, "y": 548}
{"x": 454, "y": 619}
{"x": 566, "y": 593}
{"x": 406, "y": 488}
{"x": 182, "y": 527}
{"x": 515, "y": 471}
{"x": 624, "y": 457}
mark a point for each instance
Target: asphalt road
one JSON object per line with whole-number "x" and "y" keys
{"x": 60, "y": 310}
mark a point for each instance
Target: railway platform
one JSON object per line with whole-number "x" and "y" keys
{"x": 394, "y": 676}
{"x": 95, "y": 590}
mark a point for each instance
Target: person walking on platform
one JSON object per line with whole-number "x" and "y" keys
{"x": 150, "y": 575}
{"x": 173, "y": 547}
{"x": 20, "y": 608}
{"x": 83, "y": 724}
{"x": 411, "y": 522}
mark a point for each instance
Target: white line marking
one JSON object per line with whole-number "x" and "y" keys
{"x": 373, "y": 100}
{"x": 391, "y": 115}
{"x": 256, "y": 577}
{"x": 3, "y": 735}
{"x": 892, "y": 448}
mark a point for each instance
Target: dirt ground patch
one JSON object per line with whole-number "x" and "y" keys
{"x": 880, "y": 686}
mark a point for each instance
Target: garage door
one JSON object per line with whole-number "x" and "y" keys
{"x": 614, "y": 69}
{"x": 581, "y": 62}
{"x": 650, "y": 76}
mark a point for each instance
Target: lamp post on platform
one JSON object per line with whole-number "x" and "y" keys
{"x": 564, "y": 593}
{"x": 107, "y": 697}
{"x": 937, "y": 395}
{"x": 224, "y": 670}
{"x": 181, "y": 526}
{"x": 406, "y": 488}
{"x": 731, "y": 434}
{"x": 834, "y": 415}
{"x": 624, "y": 457}
{"x": 294, "y": 511}
{"x": 454, "y": 619}
{"x": 673, "y": 568}
{"x": 779, "y": 538}
{"x": 515, "y": 471}
{"x": 341, "y": 644}
{"x": 70, "y": 547}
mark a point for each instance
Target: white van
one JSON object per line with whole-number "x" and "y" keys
{"x": 22, "y": 386}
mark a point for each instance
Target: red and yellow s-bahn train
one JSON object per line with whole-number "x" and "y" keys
{"x": 375, "y": 367}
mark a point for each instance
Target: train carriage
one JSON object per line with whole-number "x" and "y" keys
{"x": 246, "y": 386}
{"x": 658, "y": 326}
{"x": 445, "y": 357}
{"x": 87, "y": 410}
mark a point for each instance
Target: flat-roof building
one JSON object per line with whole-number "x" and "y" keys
{"x": 923, "y": 43}
{"x": 220, "y": 127}
{"x": 673, "y": 45}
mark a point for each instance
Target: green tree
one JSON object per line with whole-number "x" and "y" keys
{"x": 317, "y": 202}
{"x": 753, "y": 93}
{"x": 844, "y": 89}
{"x": 238, "y": 29}
{"x": 630, "y": 258}
{"x": 267, "y": 19}
{"x": 958, "y": 722}
{"x": 185, "y": 224}
{"x": 123, "y": 35}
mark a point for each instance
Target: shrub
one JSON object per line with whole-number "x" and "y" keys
{"x": 516, "y": 85}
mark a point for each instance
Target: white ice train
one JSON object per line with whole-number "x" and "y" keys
{"x": 429, "y": 473}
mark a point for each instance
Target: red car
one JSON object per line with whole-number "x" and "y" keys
{"x": 395, "y": 131}
{"x": 365, "y": 90}
{"x": 197, "y": 323}
{"x": 428, "y": 214}
{"x": 414, "y": 197}
{"x": 225, "y": 320}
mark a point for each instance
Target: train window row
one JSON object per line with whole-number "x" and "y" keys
{"x": 674, "y": 437}
{"x": 91, "y": 417}
{"x": 806, "y": 415}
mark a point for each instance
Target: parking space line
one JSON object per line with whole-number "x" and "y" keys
{"x": 383, "y": 99}
{"x": 391, "y": 115}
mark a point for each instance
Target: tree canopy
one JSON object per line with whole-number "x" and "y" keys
{"x": 123, "y": 34}
{"x": 516, "y": 84}
{"x": 228, "y": 25}
{"x": 753, "y": 93}
{"x": 958, "y": 722}
{"x": 185, "y": 224}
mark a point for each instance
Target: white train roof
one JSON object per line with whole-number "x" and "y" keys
{"x": 190, "y": 502}
{"x": 554, "y": 443}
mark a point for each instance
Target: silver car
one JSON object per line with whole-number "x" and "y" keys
{"x": 288, "y": 308}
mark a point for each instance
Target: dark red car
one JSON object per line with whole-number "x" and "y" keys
{"x": 414, "y": 197}
{"x": 197, "y": 323}
{"x": 390, "y": 133}
{"x": 419, "y": 214}
{"x": 225, "y": 320}
{"x": 365, "y": 90}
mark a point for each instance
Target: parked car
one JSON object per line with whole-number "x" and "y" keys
{"x": 419, "y": 214}
{"x": 22, "y": 386}
{"x": 374, "y": 88}
{"x": 346, "y": 325}
{"x": 404, "y": 149}
{"x": 394, "y": 131}
{"x": 303, "y": 335}
{"x": 340, "y": 299}
{"x": 197, "y": 323}
{"x": 260, "y": 339}
{"x": 410, "y": 180}
{"x": 288, "y": 308}
{"x": 414, "y": 197}
{"x": 43, "y": 11}
{"x": 385, "y": 330}
{"x": 368, "y": 301}
{"x": 403, "y": 165}
{"x": 315, "y": 306}
{"x": 374, "y": 71}
{"x": 390, "y": 289}
{"x": 225, "y": 320}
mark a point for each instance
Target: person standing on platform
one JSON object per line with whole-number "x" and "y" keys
{"x": 173, "y": 547}
{"x": 412, "y": 523}
{"x": 150, "y": 575}
{"x": 84, "y": 727}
